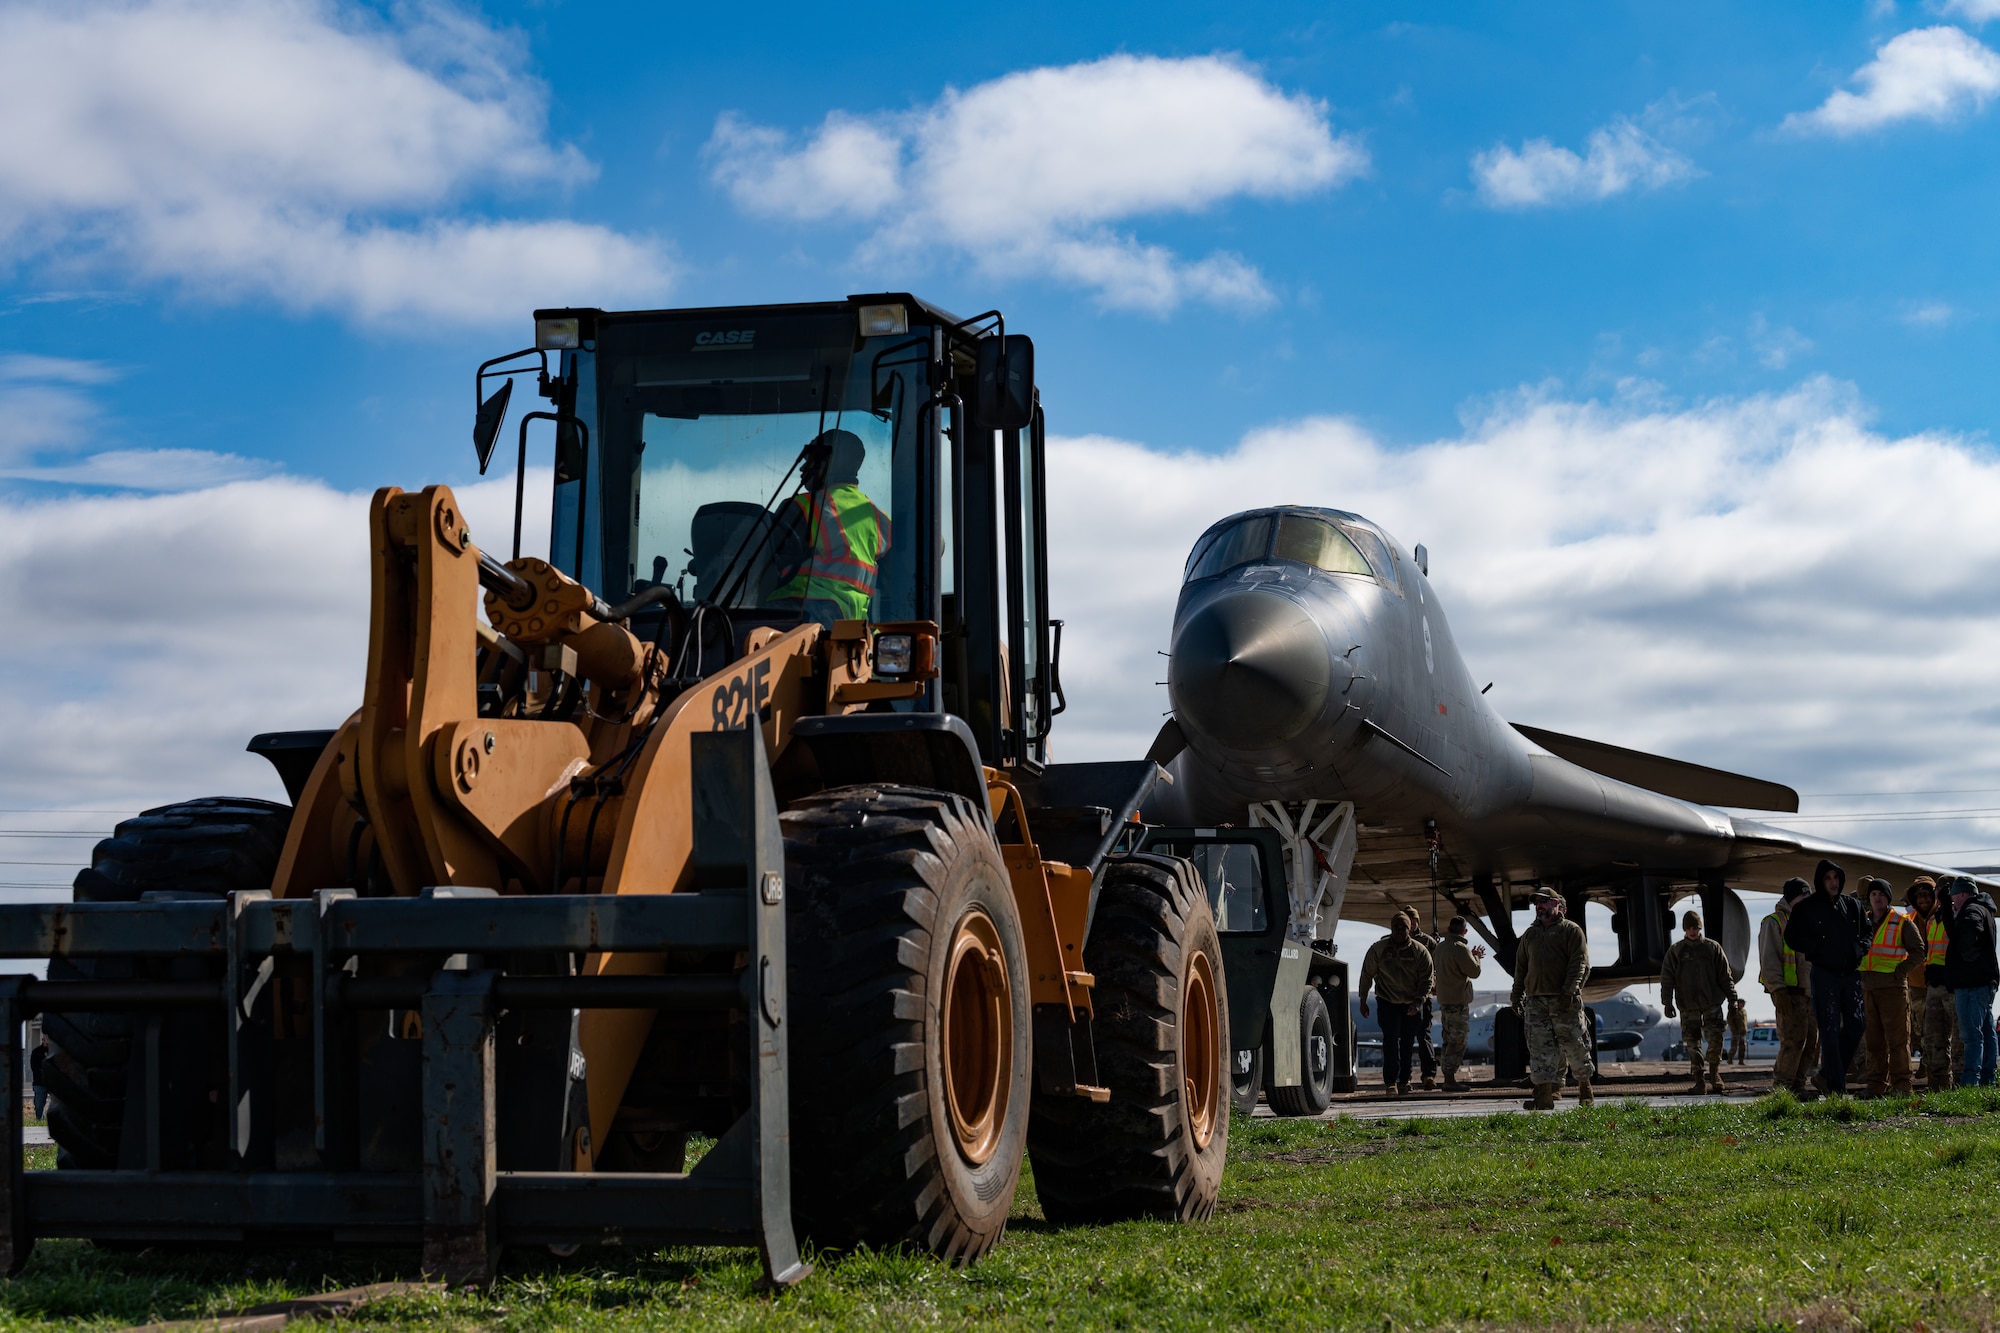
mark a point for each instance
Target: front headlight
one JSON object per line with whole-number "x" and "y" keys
{"x": 893, "y": 653}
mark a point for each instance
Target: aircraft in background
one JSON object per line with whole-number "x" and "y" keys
{"x": 1311, "y": 662}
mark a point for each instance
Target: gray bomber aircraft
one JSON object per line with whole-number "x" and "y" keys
{"x": 1312, "y": 663}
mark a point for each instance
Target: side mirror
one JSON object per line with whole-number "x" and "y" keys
{"x": 486, "y": 424}
{"x": 1006, "y": 385}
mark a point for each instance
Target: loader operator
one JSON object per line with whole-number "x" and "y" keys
{"x": 834, "y": 537}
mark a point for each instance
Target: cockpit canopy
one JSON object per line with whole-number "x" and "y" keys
{"x": 1326, "y": 539}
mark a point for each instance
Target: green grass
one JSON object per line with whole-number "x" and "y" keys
{"x": 1761, "y": 1215}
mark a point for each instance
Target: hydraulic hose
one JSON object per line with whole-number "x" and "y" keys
{"x": 520, "y": 594}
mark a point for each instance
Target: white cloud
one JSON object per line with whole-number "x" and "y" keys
{"x": 1972, "y": 11}
{"x": 281, "y": 148}
{"x": 148, "y": 470}
{"x": 1931, "y": 314}
{"x": 850, "y": 168}
{"x": 1620, "y": 156}
{"x": 1777, "y": 347}
{"x": 1936, "y": 74}
{"x": 1031, "y": 172}
{"x": 1768, "y": 584}
{"x": 156, "y": 634}
{"x": 1764, "y": 584}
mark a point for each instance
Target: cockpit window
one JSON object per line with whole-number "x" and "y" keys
{"x": 1376, "y": 551}
{"x": 1315, "y": 542}
{"x": 1233, "y": 546}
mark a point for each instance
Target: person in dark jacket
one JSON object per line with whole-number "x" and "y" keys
{"x": 1832, "y": 931}
{"x": 1972, "y": 971}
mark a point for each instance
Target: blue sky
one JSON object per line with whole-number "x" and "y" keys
{"x": 1395, "y": 295}
{"x": 1671, "y": 330}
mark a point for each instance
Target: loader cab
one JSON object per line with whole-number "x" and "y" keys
{"x": 837, "y": 461}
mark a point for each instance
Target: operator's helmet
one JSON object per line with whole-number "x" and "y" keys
{"x": 834, "y": 458}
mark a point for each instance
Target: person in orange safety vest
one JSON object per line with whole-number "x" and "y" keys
{"x": 1933, "y": 1015}
{"x": 1895, "y": 949}
{"x": 839, "y": 535}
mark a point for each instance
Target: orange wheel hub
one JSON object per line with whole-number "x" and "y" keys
{"x": 978, "y": 1013}
{"x": 1201, "y": 1049}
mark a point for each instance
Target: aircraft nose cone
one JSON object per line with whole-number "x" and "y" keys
{"x": 1249, "y": 670}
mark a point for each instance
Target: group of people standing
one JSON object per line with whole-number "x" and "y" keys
{"x": 1408, "y": 969}
{"x": 1849, "y": 976}
{"x": 1857, "y": 974}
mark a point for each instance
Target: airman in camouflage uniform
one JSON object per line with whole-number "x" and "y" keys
{"x": 1696, "y": 971}
{"x": 1457, "y": 967}
{"x": 1550, "y": 964}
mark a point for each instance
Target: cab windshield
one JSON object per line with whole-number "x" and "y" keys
{"x": 766, "y": 464}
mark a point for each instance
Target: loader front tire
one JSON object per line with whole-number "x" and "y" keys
{"x": 910, "y": 1047}
{"x": 1160, "y": 1023}
{"x": 204, "y": 848}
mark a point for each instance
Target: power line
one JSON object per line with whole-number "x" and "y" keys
{"x": 1894, "y": 817}
{"x": 1945, "y": 791}
{"x": 55, "y": 833}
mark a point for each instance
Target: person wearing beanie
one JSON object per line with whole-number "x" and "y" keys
{"x": 1896, "y": 948}
{"x": 1551, "y": 962}
{"x": 1739, "y": 1034}
{"x": 1972, "y": 971}
{"x": 1696, "y": 972}
{"x": 1830, "y": 930}
{"x": 1933, "y": 1012}
{"x": 1400, "y": 971}
{"x": 1457, "y": 967}
{"x": 1427, "y": 1055}
{"x": 1784, "y": 975}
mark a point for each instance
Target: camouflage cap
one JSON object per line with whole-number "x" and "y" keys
{"x": 1544, "y": 894}
{"x": 1690, "y": 920}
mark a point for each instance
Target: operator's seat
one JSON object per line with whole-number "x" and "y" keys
{"x": 737, "y": 532}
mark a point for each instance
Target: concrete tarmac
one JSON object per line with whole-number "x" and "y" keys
{"x": 1653, "y": 1084}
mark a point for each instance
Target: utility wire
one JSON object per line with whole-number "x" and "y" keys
{"x": 1945, "y": 791}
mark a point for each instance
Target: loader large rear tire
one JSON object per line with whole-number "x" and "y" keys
{"x": 205, "y": 848}
{"x": 910, "y": 1046}
{"x": 1160, "y": 1024}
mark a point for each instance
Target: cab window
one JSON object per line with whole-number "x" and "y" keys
{"x": 1316, "y": 542}
{"x": 1233, "y": 873}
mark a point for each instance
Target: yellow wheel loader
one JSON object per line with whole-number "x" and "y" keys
{"x": 731, "y": 820}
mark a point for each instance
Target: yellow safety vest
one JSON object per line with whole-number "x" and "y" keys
{"x": 1935, "y": 932}
{"x": 1786, "y": 952}
{"x": 847, "y": 535}
{"x": 1885, "y": 954}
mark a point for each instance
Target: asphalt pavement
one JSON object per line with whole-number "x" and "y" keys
{"x": 1653, "y": 1084}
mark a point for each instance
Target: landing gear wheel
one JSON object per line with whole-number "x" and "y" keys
{"x": 910, "y": 1046}
{"x": 1246, "y": 1078}
{"x": 1315, "y": 1090}
{"x": 205, "y": 848}
{"x": 1161, "y": 1023}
